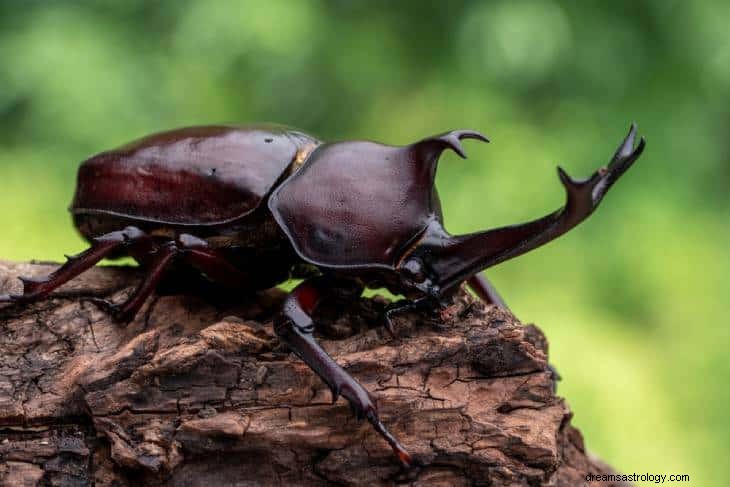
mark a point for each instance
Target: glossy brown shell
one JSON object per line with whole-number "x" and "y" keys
{"x": 362, "y": 204}
{"x": 192, "y": 176}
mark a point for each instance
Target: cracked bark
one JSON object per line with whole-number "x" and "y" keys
{"x": 201, "y": 393}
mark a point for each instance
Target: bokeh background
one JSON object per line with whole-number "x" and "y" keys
{"x": 634, "y": 301}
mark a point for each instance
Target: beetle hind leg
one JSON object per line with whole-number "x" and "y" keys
{"x": 159, "y": 258}
{"x": 295, "y": 327}
{"x": 39, "y": 288}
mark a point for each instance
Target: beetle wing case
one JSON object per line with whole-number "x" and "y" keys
{"x": 357, "y": 204}
{"x": 193, "y": 176}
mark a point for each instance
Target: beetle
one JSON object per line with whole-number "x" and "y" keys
{"x": 251, "y": 207}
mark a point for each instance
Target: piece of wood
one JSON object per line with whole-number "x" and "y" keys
{"x": 196, "y": 393}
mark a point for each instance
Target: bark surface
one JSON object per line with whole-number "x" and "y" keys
{"x": 195, "y": 392}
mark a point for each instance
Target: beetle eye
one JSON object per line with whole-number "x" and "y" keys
{"x": 414, "y": 270}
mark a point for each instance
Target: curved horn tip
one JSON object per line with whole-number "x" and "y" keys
{"x": 564, "y": 177}
{"x": 627, "y": 145}
{"x": 472, "y": 134}
{"x": 453, "y": 141}
{"x": 571, "y": 183}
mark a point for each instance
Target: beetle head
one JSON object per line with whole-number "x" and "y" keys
{"x": 419, "y": 270}
{"x": 426, "y": 267}
{"x": 440, "y": 262}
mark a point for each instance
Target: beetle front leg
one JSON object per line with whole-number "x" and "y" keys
{"x": 295, "y": 327}
{"x": 403, "y": 306}
{"x": 211, "y": 262}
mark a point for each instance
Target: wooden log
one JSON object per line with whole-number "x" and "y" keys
{"x": 195, "y": 392}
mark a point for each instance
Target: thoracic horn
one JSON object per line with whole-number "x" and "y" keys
{"x": 428, "y": 150}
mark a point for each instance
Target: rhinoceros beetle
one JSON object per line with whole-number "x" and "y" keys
{"x": 250, "y": 207}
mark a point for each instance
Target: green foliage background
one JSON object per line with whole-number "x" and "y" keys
{"x": 634, "y": 301}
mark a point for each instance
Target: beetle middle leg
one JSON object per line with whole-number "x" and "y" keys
{"x": 211, "y": 262}
{"x": 295, "y": 327}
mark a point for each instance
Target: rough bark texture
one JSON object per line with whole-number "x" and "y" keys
{"x": 195, "y": 393}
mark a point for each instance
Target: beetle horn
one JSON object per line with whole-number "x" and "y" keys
{"x": 431, "y": 148}
{"x": 428, "y": 150}
{"x": 458, "y": 258}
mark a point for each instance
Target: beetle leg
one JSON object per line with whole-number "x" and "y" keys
{"x": 485, "y": 290}
{"x": 295, "y": 327}
{"x": 211, "y": 262}
{"x": 103, "y": 246}
{"x": 193, "y": 250}
{"x": 161, "y": 259}
{"x": 402, "y": 306}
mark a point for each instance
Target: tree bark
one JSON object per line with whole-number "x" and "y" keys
{"x": 200, "y": 392}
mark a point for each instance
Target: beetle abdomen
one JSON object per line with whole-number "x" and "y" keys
{"x": 191, "y": 176}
